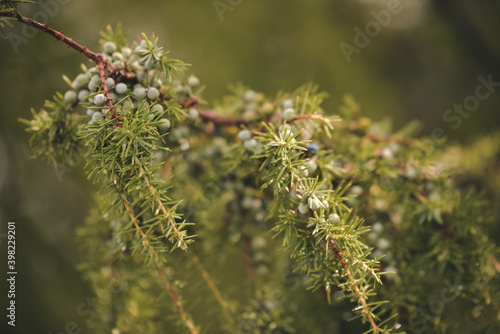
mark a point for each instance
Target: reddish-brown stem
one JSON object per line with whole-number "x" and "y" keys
{"x": 218, "y": 119}
{"x": 361, "y": 298}
{"x": 97, "y": 58}
{"x": 102, "y": 72}
{"x": 247, "y": 260}
{"x": 170, "y": 287}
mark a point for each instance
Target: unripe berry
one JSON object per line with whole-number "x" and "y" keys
{"x": 149, "y": 65}
{"x": 121, "y": 88}
{"x": 109, "y": 47}
{"x": 251, "y": 144}
{"x": 70, "y": 96}
{"x": 193, "y": 113}
{"x": 126, "y": 52}
{"x": 99, "y": 99}
{"x": 387, "y": 153}
{"x": 140, "y": 93}
{"x": 157, "y": 83}
{"x": 356, "y": 190}
{"x": 289, "y": 114}
{"x": 153, "y": 93}
{"x": 193, "y": 81}
{"x": 81, "y": 80}
{"x": 165, "y": 125}
{"x": 377, "y": 227}
{"x": 383, "y": 244}
{"x": 90, "y": 112}
{"x": 244, "y": 135}
{"x": 285, "y": 131}
{"x": 113, "y": 97}
{"x": 303, "y": 208}
{"x": 288, "y": 103}
{"x": 94, "y": 83}
{"x": 334, "y": 218}
{"x": 110, "y": 82}
{"x": 117, "y": 56}
{"x": 293, "y": 194}
{"x": 158, "y": 108}
{"x": 314, "y": 203}
{"x": 97, "y": 116}
{"x": 258, "y": 243}
{"x": 411, "y": 173}
{"x": 250, "y": 95}
{"x": 310, "y": 166}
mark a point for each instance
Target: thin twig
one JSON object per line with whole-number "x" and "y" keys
{"x": 206, "y": 276}
{"x": 166, "y": 214}
{"x": 355, "y": 287}
{"x": 97, "y": 58}
{"x": 170, "y": 287}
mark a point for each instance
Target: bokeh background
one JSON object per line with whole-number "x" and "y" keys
{"x": 426, "y": 59}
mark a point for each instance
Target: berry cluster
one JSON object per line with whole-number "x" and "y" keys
{"x": 136, "y": 83}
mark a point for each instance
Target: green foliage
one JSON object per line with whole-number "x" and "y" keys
{"x": 344, "y": 203}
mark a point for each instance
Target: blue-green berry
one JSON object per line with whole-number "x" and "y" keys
{"x": 193, "y": 113}
{"x": 121, "y": 88}
{"x": 289, "y": 114}
{"x": 90, "y": 112}
{"x": 383, "y": 243}
{"x": 99, "y": 99}
{"x": 310, "y": 166}
{"x": 288, "y": 103}
{"x": 258, "y": 243}
{"x": 117, "y": 56}
{"x": 314, "y": 203}
{"x": 164, "y": 125}
{"x": 356, "y": 190}
{"x": 193, "y": 81}
{"x": 153, "y": 93}
{"x": 140, "y": 92}
{"x": 250, "y": 95}
{"x": 70, "y": 96}
{"x": 158, "y": 108}
{"x": 251, "y": 144}
{"x": 81, "y": 80}
{"x": 97, "y": 116}
{"x": 110, "y": 83}
{"x": 113, "y": 97}
{"x": 411, "y": 173}
{"x": 109, "y": 47}
{"x": 244, "y": 135}
{"x": 377, "y": 227}
{"x": 94, "y": 83}
{"x": 126, "y": 52}
{"x": 334, "y": 218}
{"x": 387, "y": 153}
{"x": 303, "y": 208}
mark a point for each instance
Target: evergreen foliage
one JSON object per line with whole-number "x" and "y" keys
{"x": 288, "y": 195}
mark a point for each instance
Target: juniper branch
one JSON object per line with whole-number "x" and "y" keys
{"x": 97, "y": 58}
{"x": 156, "y": 261}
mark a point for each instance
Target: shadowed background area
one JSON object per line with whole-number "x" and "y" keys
{"x": 424, "y": 57}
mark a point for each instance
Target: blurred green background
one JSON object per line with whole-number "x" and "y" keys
{"x": 426, "y": 59}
